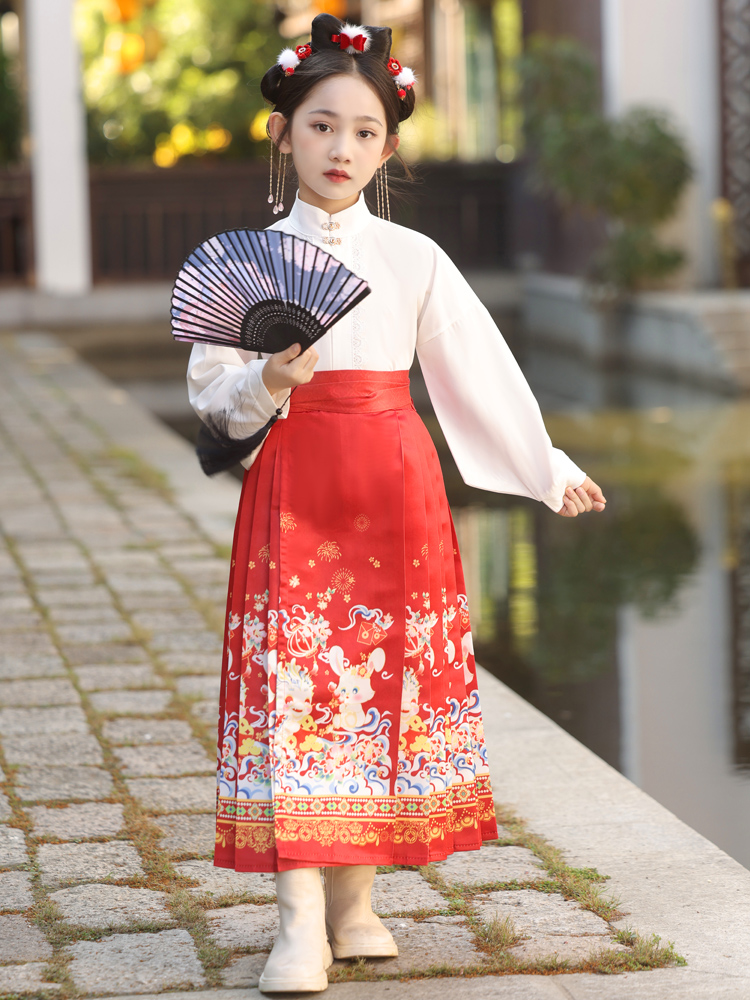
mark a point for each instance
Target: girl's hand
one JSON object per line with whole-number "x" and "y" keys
{"x": 289, "y": 368}
{"x": 587, "y": 496}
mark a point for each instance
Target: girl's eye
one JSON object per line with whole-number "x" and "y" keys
{"x": 321, "y": 125}
{"x": 366, "y": 132}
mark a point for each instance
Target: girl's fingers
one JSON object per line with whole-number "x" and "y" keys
{"x": 585, "y": 498}
{"x": 575, "y": 499}
{"x": 595, "y": 492}
{"x": 312, "y": 358}
{"x": 568, "y": 508}
{"x": 284, "y": 357}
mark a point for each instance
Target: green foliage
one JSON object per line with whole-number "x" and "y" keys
{"x": 632, "y": 170}
{"x": 10, "y": 115}
{"x": 174, "y": 76}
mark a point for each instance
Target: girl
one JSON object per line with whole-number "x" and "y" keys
{"x": 350, "y": 731}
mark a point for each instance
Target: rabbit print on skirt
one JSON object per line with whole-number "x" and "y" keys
{"x": 350, "y": 730}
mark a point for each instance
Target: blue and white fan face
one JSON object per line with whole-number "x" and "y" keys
{"x": 261, "y": 290}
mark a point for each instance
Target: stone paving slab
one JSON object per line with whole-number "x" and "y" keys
{"x": 21, "y": 980}
{"x": 89, "y": 632}
{"x": 541, "y": 912}
{"x": 199, "y": 686}
{"x": 63, "y": 864}
{"x": 103, "y": 907}
{"x": 15, "y": 891}
{"x": 565, "y": 948}
{"x": 244, "y": 926}
{"x": 245, "y": 970}
{"x": 62, "y": 784}
{"x": 188, "y": 834}
{"x": 91, "y": 655}
{"x": 59, "y": 749}
{"x": 174, "y": 760}
{"x": 491, "y": 864}
{"x": 404, "y": 892}
{"x": 21, "y": 941}
{"x": 191, "y": 663}
{"x": 220, "y": 882}
{"x": 131, "y": 702}
{"x": 69, "y": 613}
{"x": 17, "y": 667}
{"x": 107, "y": 677}
{"x": 138, "y": 732}
{"x": 6, "y": 812}
{"x": 67, "y": 596}
{"x": 198, "y": 642}
{"x": 78, "y": 822}
{"x": 164, "y": 795}
{"x": 12, "y": 847}
{"x": 428, "y": 943}
{"x": 136, "y": 963}
{"x": 23, "y": 721}
{"x": 27, "y": 693}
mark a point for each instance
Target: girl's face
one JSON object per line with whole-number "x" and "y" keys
{"x": 337, "y": 140}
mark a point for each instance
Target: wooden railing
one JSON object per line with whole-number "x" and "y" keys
{"x": 16, "y": 255}
{"x": 145, "y": 221}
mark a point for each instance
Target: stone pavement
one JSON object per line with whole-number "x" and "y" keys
{"x": 111, "y": 598}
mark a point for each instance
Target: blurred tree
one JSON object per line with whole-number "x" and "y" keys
{"x": 633, "y": 170}
{"x": 169, "y": 79}
{"x": 11, "y": 115}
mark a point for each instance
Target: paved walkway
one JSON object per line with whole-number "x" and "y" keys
{"x": 113, "y": 565}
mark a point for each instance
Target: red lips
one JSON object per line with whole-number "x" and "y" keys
{"x": 337, "y": 173}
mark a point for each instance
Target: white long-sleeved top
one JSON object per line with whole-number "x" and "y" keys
{"x": 419, "y": 302}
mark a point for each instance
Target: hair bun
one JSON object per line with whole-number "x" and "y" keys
{"x": 325, "y": 25}
{"x": 270, "y": 85}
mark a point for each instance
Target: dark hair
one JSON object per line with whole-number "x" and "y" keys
{"x": 286, "y": 93}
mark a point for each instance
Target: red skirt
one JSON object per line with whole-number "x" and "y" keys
{"x": 350, "y": 730}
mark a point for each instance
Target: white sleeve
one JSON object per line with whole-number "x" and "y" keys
{"x": 488, "y": 413}
{"x": 222, "y": 380}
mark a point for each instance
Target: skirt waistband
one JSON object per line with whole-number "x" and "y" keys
{"x": 353, "y": 391}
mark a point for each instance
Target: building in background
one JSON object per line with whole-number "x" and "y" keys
{"x": 120, "y": 220}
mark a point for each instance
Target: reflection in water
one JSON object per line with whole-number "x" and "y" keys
{"x": 632, "y": 629}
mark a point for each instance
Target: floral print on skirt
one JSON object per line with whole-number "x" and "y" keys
{"x": 350, "y": 729}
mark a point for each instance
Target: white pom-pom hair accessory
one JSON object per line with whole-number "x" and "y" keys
{"x": 288, "y": 60}
{"x": 403, "y": 76}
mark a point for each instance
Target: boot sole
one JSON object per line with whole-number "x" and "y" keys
{"x": 281, "y": 984}
{"x": 364, "y": 951}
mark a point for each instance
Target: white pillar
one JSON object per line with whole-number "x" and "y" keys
{"x": 666, "y": 54}
{"x": 59, "y": 171}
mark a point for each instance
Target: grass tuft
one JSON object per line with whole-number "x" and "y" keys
{"x": 497, "y": 935}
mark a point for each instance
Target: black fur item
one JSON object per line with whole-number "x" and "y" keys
{"x": 217, "y": 451}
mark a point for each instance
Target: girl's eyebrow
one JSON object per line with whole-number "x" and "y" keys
{"x": 334, "y": 114}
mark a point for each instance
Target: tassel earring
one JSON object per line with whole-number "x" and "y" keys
{"x": 280, "y": 182}
{"x": 385, "y": 184}
{"x": 381, "y": 187}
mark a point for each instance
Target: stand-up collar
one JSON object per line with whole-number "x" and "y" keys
{"x": 312, "y": 221}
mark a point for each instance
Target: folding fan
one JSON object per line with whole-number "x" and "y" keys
{"x": 261, "y": 290}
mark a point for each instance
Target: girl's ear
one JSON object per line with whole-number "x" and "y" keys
{"x": 276, "y": 123}
{"x": 391, "y": 145}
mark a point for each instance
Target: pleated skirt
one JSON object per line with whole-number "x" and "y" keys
{"x": 350, "y": 729}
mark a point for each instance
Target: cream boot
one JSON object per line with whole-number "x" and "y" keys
{"x": 353, "y": 929}
{"x": 301, "y": 954}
